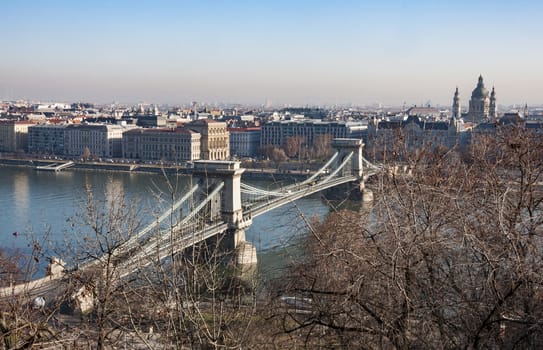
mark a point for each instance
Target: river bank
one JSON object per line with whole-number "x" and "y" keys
{"x": 256, "y": 173}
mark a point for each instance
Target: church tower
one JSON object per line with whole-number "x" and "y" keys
{"x": 456, "y": 109}
{"x": 493, "y": 114}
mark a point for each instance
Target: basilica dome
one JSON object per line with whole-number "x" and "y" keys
{"x": 480, "y": 91}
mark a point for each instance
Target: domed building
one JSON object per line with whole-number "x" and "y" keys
{"x": 482, "y": 105}
{"x": 479, "y": 104}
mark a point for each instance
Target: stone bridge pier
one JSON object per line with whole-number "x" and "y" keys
{"x": 227, "y": 207}
{"x": 356, "y": 189}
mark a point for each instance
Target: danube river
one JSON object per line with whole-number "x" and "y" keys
{"x": 42, "y": 204}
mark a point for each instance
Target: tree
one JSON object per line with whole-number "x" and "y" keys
{"x": 293, "y": 146}
{"x": 86, "y": 153}
{"x": 148, "y": 291}
{"x": 103, "y": 229}
{"x": 10, "y": 267}
{"x": 278, "y": 155}
{"x": 448, "y": 257}
{"x": 267, "y": 150}
{"x": 322, "y": 146}
{"x": 193, "y": 297}
{"x": 27, "y": 318}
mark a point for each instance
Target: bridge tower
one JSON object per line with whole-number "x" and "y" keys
{"x": 228, "y": 206}
{"x": 355, "y": 146}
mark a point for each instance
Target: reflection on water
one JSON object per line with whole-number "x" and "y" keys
{"x": 21, "y": 194}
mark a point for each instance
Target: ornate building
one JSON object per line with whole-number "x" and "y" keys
{"x": 479, "y": 105}
{"x": 482, "y": 105}
{"x": 215, "y": 144}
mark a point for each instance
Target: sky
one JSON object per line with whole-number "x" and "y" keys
{"x": 297, "y": 52}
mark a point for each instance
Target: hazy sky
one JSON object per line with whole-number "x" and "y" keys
{"x": 292, "y": 52}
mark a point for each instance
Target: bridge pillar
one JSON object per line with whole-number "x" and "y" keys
{"x": 346, "y": 147}
{"x": 367, "y": 194}
{"x": 231, "y": 210}
{"x": 355, "y": 146}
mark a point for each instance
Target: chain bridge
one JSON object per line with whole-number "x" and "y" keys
{"x": 220, "y": 203}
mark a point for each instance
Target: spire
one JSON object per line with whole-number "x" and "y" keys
{"x": 493, "y": 110}
{"x": 456, "y": 112}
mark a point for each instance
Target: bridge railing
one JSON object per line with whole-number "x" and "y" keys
{"x": 272, "y": 203}
{"x": 164, "y": 237}
{"x": 267, "y": 200}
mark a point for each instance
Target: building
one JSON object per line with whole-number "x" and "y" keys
{"x": 151, "y": 121}
{"x": 215, "y": 144}
{"x": 493, "y": 109}
{"x": 99, "y": 139}
{"x": 507, "y": 120}
{"x": 426, "y": 112}
{"x": 277, "y": 132}
{"x": 482, "y": 105}
{"x": 413, "y": 132}
{"x": 244, "y": 142}
{"x": 14, "y": 135}
{"x": 46, "y": 139}
{"x": 456, "y": 107}
{"x": 172, "y": 145}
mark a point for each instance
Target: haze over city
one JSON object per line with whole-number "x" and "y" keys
{"x": 283, "y": 52}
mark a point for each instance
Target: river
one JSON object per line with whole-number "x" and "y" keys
{"x": 40, "y": 204}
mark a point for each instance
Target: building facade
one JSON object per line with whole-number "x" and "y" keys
{"x": 172, "y": 145}
{"x": 508, "y": 121}
{"x": 413, "y": 132}
{"x": 479, "y": 104}
{"x": 98, "y": 139}
{"x": 244, "y": 142}
{"x": 14, "y": 135}
{"x": 46, "y": 139}
{"x": 215, "y": 139}
{"x": 276, "y": 133}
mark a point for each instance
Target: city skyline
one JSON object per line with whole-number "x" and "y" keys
{"x": 299, "y": 53}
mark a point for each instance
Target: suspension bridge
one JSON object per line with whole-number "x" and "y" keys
{"x": 219, "y": 203}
